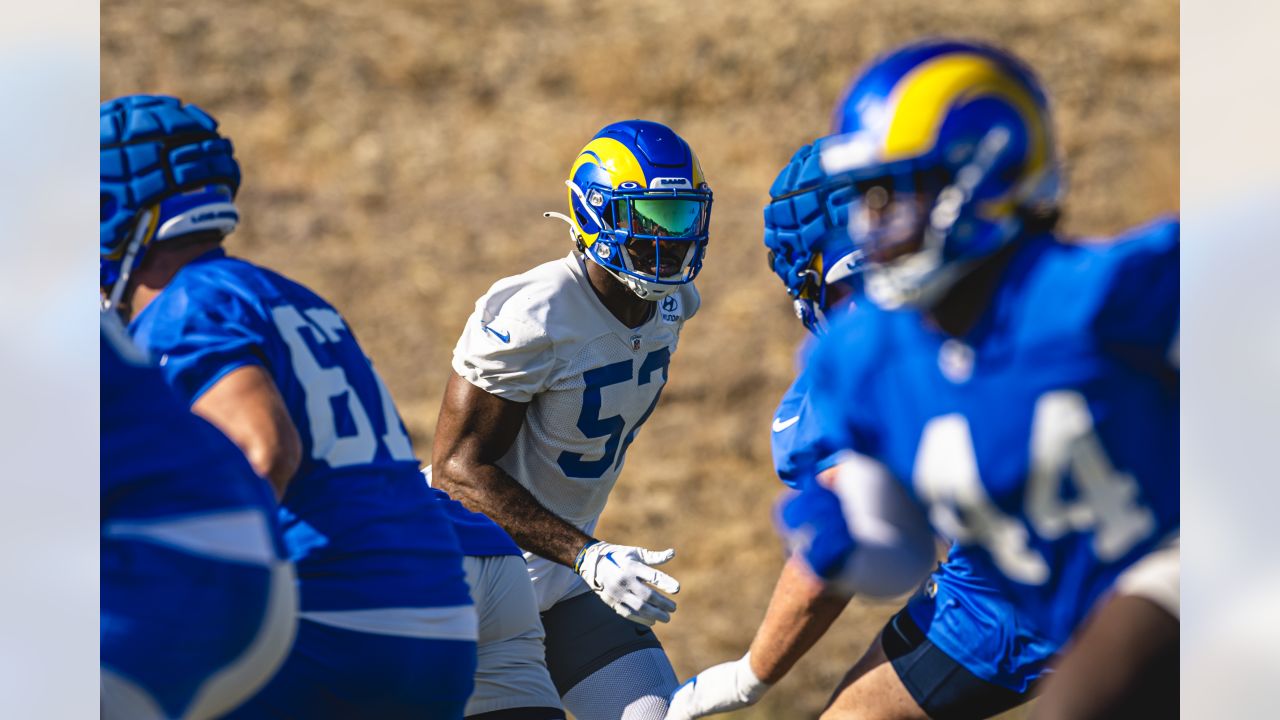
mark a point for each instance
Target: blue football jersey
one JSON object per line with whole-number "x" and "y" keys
{"x": 189, "y": 544}
{"x": 963, "y": 613}
{"x": 1047, "y": 438}
{"x": 361, "y": 526}
{"x": 794, "y": 433}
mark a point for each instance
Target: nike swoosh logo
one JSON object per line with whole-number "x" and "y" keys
{"x": 504, "y": 338}
{"x": 779, "y": 424}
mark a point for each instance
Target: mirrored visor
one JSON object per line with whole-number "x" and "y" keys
{"x": 664, "y": 217}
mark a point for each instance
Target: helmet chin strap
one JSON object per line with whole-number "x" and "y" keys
{"x": 146, "y": 224}
{"x": 643, "y": 290}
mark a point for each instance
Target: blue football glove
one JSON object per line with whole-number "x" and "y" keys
{"x": 814, "y": 528}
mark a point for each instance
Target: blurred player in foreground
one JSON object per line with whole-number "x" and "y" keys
{"x": 957, "y": 650}
{"x": 1016, "y": 391}
{"x": 386, "y": 627}
{"x": 556, "y": 371}
{"x": 198, "y": 602}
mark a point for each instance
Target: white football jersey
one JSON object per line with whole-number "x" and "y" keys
{"x": 544, "y": 338}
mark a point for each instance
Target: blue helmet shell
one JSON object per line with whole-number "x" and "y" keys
{"x": 160, "y": 154}
{"x": 625, "y": 163}
{"x": 959, "y": 115}
{"x": 805, "y": 232}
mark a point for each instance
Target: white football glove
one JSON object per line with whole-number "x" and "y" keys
{"x": 720, "y": 688}
{"x": 621, "y": 576}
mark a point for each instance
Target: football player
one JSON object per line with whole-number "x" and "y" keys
{"x": 1013, "y": 390}
{"x": 556, "y": 371}
{"x": 386, "y": 628}
{"x": 198, "y": 600}
{"x": 956, "y": 649}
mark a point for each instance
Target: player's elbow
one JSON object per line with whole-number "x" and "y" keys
{"x": 452, "y": 472}
{"x": 277, "y": 459}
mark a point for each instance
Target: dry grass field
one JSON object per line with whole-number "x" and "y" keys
{"x": 397, "y": 155}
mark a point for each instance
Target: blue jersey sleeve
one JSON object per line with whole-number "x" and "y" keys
{"x": 1139, "y": 315}
{"x": 841, "y": 376}
{"x": 794, "y": 435}
{"x": 200, "y": 332}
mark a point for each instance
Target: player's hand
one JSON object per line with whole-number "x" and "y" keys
{"x": 621, "y": 575}
{"x": 721, "y": 688}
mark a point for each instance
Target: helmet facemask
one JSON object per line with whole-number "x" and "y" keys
{"x": 921, "y": 228}
{"x": 652, "y": 241}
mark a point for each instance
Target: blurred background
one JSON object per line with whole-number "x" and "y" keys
{"x": 397, "y": 156}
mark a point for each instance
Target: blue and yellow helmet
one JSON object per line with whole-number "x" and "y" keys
{"x": 948, "y": 148}
{"x": 165, "y": 172}
{"x": 640, "y": 206}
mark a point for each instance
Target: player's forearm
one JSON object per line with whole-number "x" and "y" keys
{"x": 799, "y": 613}
{"x": 490, "y": 490}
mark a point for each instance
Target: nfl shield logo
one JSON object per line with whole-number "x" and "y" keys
{"x": 635, "y": 343}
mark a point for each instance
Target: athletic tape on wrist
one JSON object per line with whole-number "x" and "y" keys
{"x": 577, "y": 562}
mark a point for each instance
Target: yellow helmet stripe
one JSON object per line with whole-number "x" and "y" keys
{"x": 614, "y": 157}
{"x": 924, "y": 96}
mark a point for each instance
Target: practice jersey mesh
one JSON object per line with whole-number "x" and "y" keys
{"x": 544, "y": 338}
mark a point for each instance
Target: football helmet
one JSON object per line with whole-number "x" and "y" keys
{"x": 640, "y": 207}
{"x": 948, "y": 148}
{"x": 805, "y": 231}
{"x": 165, "y": 172}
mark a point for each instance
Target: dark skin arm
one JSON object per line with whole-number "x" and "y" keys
{"x": 475, "y": 429}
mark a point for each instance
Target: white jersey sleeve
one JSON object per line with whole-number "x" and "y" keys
{"x": 503, "y": 350}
